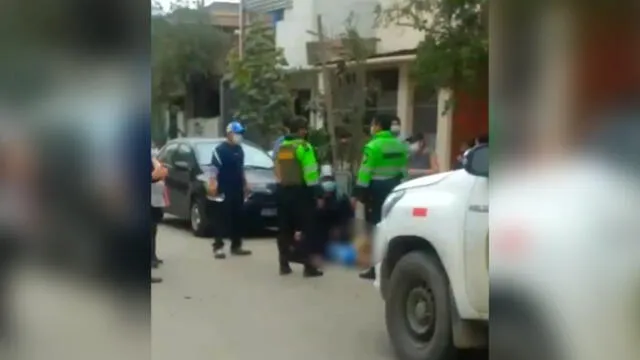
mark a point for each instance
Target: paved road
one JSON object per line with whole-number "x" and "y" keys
{"x": 239, "y": 308}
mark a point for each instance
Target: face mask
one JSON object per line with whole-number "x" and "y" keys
{"x": 329, "y": 186}
{"x": 395, "y": 130}
{"x": 236, "y": 138}
{"x": 415, "y": 147}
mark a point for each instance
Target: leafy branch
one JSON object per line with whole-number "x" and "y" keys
{"x": 260, "y": 81}
{"x": 455, "y": 50}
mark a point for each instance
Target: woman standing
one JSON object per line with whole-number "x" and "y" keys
{"x": 158, "y": 201}
{"x": 422, "y": 161}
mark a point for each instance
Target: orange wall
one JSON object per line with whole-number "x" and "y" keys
{"x": 608, "y": 66}
{"x": 470, "y": 120}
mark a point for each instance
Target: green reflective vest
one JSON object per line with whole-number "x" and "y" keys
{"x": 296, "y": 163}
{"x": 385, "y": 157}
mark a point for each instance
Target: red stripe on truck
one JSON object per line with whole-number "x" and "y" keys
{"x": 420, "y": 212}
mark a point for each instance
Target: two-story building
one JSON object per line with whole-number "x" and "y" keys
{"x": 389, "y": 67}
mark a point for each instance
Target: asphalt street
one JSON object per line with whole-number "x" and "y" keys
{"x": 232, "y": 309}
{"x": 240, "y": 308}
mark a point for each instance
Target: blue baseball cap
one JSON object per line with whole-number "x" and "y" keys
{"x": 235, "y": 127}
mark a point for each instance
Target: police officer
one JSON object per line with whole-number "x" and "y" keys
{"x": 384, "y": 166}
{"x": 299, "y": 194}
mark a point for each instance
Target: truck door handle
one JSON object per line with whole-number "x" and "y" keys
{"x": 479, "y": 208}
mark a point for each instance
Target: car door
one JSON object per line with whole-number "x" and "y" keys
{"x": 476, "y": 237}
{"x": 182, "y": 179}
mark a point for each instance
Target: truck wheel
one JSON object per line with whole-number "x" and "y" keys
{"x": 418, "y": 309}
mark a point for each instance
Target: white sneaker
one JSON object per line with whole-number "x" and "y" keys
{"x": 219, "y": 254}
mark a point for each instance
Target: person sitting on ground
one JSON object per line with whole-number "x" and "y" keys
{"x": 336, "y": 215}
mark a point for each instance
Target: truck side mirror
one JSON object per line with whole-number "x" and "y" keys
{"x": 476, "y": 161}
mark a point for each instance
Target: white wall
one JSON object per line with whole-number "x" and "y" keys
{"x": 336, "y": 12}
{"x": 292, "y": 35}
{"x": 395, "y": 38}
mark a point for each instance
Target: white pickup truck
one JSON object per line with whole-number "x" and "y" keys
{"x": 431, "y": 250}
{"x": 565, "y": 260}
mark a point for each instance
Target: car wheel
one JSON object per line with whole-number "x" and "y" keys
{"x": 418, "y": 309}
{"x": 198, "y": 220}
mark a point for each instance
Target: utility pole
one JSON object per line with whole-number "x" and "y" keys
{"x": 241, "y": 25}
{"x": 328, "y": 96}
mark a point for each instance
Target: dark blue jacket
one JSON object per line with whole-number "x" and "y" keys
{"x": 229, "y": 160}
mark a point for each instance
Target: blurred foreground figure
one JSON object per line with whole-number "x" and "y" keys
{"x": 565, "y": 259}
{"x": 158, "y": 201}
{"x": 564, "y": 250}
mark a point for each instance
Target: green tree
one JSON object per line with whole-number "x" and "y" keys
{"x": 184, "y": 45}
{"x": 260, "y": 82}
{"x": 354, "y": 89}
{"x": 455, "y": 50}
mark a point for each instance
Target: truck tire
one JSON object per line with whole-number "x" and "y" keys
{"x": 418, "y": 309}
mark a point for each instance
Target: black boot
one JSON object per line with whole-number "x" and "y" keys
{"x": 311, "y": 271}
{"x": 285, "y": 269}
{"x": 369, "y": 274}
{"x": 240, "y": 252}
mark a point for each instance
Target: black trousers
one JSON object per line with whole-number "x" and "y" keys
{"x": 378, "y": 192}
{"x": 228, "y": 222}
{"x": 296, "y": 211}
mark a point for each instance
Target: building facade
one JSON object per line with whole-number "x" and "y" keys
{"x": 420, "y": 110}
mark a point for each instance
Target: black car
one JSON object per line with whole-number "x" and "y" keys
{"x": 189, "y": 162}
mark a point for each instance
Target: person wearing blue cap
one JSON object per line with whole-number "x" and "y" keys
{"x": 228, "y": 159}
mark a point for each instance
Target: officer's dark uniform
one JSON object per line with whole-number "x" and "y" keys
{"x": 384, "y": 166}
{"x": 298, "y": 177}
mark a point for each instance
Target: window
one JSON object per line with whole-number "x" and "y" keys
{"x": 481, "y": 160}
{"x": 276, "y": 16}
{"x": 253, "y": 156}
{"x": 167, "y": 152}
{"x": 204, "y": 152}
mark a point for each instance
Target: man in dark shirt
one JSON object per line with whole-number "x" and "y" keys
{"x": 228, "y": 159}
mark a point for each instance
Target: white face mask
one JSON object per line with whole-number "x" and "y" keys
{"x": 236, "y": 138}
{"x": 415, "y": 147}
{"x": 395, "y": 129}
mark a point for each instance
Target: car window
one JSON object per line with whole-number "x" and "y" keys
{"x": 253, "y": 156}
{"x": 184, "y": 153}
{"x": 167, "y": 152}
{"x": 481, "y": 160}
{"x": 204, "y": 152}
{"x": 256, "y": 157}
